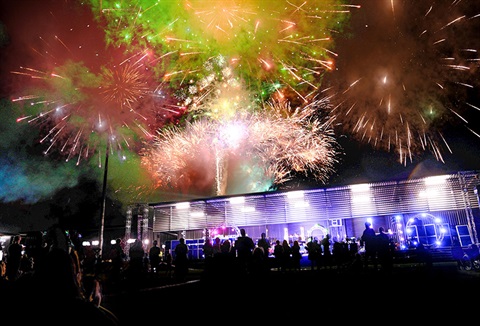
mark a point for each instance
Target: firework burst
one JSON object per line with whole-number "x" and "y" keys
{"x": 282, "y": 43}
{"x": 249, "y": 152}
{"x": 81, "y": 95}
{"x": 399, "y": 84}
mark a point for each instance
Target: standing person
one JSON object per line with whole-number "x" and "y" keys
{"x": 314, "y": 252}
{"x": 327, "y": 253}
{"x": 117, "y": 255}
{"x": 168, "y": 262}
{"x": 217, "y": 254}
{"x": 286, "y": 256}
{"x": 207, "y": 249}
{"x": 217, "y": 247}
{"x": 227, "y": 257}
{"x": 368, "y": 240}
{"x": 278, "y": 254}
{"x": 154, "y": 257}
{"x": 258, "y": 264}
{"x": 264, "y": 243}
{"x": 14, "y": 258}
{"x": 340, "y": 254}
{"x": 383, "y": 250}
{"x": 244, "y": 247}
{"x": 135, "y": 265}
{"x": 226, "y": 248}
{"x": 296, "y": 256}
{"x": 208, "y": 254}
{"x": 181, "y": 260}
{"x": 55, "y": 293}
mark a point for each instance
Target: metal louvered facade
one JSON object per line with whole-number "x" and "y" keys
{"x": 451, "y": 196}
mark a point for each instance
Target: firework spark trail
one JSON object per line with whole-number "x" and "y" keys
{"x": 196, "y": 96}
{"x": 228, "y": 124}
{"x": 277, "y": 141}
{"x": 399, "y": 84}
{"x": 111, "y": 99}
{"x": 286, "y": 42}
{"x": 80, "y": 98}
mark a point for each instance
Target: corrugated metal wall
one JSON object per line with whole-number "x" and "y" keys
{"x": 450, "y": 193}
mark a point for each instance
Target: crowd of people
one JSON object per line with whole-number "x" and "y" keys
{"x": 55, "y": 287}
{"x": 62, "y": 271}
{"x": 242, "y": 254}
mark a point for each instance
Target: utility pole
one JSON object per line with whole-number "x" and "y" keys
{"x": 104, "y": 197}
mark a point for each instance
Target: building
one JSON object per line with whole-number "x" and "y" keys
{"x": 432, "y": 210}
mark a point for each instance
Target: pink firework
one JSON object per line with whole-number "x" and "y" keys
{"x": 81, "y": 93}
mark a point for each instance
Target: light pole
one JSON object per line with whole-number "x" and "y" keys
{"x": 104, "y": 197}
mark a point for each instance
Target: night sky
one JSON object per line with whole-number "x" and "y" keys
{"x": 404, "y": 89}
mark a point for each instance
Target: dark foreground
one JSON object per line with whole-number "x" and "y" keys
{"x": 410, "y": 293}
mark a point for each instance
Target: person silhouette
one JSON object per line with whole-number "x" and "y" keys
{"x": 258, "y": 265}
{"x": 217, "y": 246}
{"x": 54, "y": 291}
{"x": 168, "y": 260}
{"x": 14, "y": 258}
{"x": 327, "y": 258}
{"x": 154, "y": 257}
{"x": 278, "y": 255}
{"x": 181, "y": 260}
{"x": 286, "y": 256}
{"x": 314, "y": 252}
{"x": 244, "y": 246}
{"x": 226, "y": 248}
{"x": 136, "y": 255}
{"x": 207, "y": 249}
{"x": 296, "y": 256}
{"x": 369, "y": 244}
{"x": 207, "y": 254}
{"x": 264, "y": 243}
{"x": 385, "y": 256}
{"x": 117, "y": 255}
